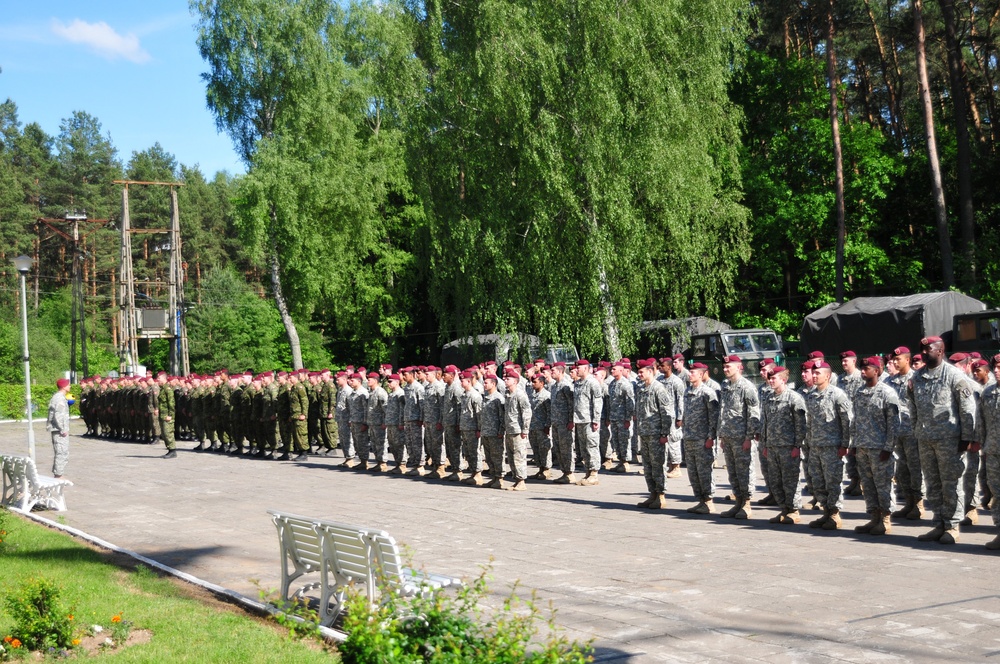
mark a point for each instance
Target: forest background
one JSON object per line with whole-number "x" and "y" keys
{"x": 419, "y": 170}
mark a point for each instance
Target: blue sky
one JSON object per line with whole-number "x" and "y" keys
{"x": 133, "y": 65}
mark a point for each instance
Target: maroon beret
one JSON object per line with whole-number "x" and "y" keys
{"x": 732, "y": 358}
{"x": 980, "y": 363}
{"x": 62, "y": 382}
{"x": 699, "y": 365}
{"x": 848, "y": 353}
{"x": 451, "y": 369}
{"x": 958, "y": 357}
{"x": 465, "y": 375}
{"x": 872, "y": 361}
{"x": 582, "y": 362}
{"x": 394, "y": 377}
{"x": 816, "y": 355}
{"x": 511, "y": 372}
{"x": 927, "y": 341}
{"x": 490, "y": 376}
{"x": 900, "y": 350}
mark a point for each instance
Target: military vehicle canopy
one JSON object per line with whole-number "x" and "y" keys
{"x": 521, "y": 348}
{"x": 869, "y": 325}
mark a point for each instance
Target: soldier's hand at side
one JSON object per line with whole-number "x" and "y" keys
{"x": 547, "y": 431}
{"x": 478, "y": 434}
{"x": 383, "y": 427}
{"x": 400, "y": 427}
{"x": 439, "y": 426}
{"x": 594, "y": 426}
{"x": 747, "y": 444}
{"x": 628, "y": 423}
{"x": 419, "y": 423}
{"x": 975, "y": 447}
{"x": 664, "y": 440}
{"x": 364, "y": 427}
{"x": 524, "y": 435}
{"x": 763, "y": 451}
{"x": 709, "y": 444}
{"x": 884, "y": 455}
{"x": 963, "y": 446}
{"x": 841, "y": 451}
{"x": 795, "y": 453}
{"x": 569, "y": 427}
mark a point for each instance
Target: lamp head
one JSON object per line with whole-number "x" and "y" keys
{"x": 22, "y": 263}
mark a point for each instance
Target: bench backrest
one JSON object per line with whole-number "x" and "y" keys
{"x": 386, "y": 557}
{"x": 15, "y": 467}
{"x": 299, "y": 539}
{"x": 347, "y": 550}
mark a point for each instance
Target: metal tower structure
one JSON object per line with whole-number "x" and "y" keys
{"x": 151, "y": 321}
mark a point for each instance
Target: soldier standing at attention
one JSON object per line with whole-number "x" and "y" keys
{"x": 965, "y": 363}
{"x": 375, "y": 421}
{"x": 394, "y": 423}
{"x": 414, "y": 425}
{"x": 739, "y": 423}
{"x": 621, "y": 407}
{"x": 451, "y": 410}
{"x": 588, "y": 399}
{"x": 674, "y": 448}
{"x": 829, "y": 437}
{"x": 701, "y": 416}
{"x": 601, "y": 376}
{"x": 655, "y": 413}
{"x": 165, "y": 411}
{"x": 433, "y": 413}
{"x": 541, "y": 423}
{"x": 468, "y": 426}
{"x": 851, "y": 381}
{"x": 357, "y": 404}
{"x": 342, "y": 415}
{"x": 876, "y": 428}
{"x": 328, "y": 412}
{"x": 517, "y": 422}
{"x": 942, "y": 409}
{"x": 57, "y": 424}
{"x": 782, "y": 433}
{"x": 989, "y": 426}
{"x": 562, "y": 423}
{"x": 298, "y": 412}
{"x": 491, "y": 425}
{"x": 909, "y": 478}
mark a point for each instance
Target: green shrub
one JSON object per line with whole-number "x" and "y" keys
{"x": 12, "y": 400}
{"x": 40, "y": 620}
{"x": 455, "y": 627}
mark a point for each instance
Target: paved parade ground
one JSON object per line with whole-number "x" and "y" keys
{"x": 647, "y": 586}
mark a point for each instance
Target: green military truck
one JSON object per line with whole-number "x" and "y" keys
{"x": 751, "y": 346}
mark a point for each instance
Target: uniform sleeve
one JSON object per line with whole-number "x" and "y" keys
{"x": 752, "y": 410}
{"x": 667, "y": 409}
{"x": 525, "y": 412}
{"x": 799, "y": 422}
{"x": 966, "y": 410}
{"x": 846, "y": 418}
{"x": 712, "y": 404}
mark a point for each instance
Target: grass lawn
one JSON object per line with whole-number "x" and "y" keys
{"x": 187, "y": 623}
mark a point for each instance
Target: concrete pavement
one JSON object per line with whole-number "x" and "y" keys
{"x": 648, "y": 586}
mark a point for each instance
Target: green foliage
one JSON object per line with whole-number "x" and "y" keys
{"x": 40, "y": 619}
{"x": 446, "y": 627}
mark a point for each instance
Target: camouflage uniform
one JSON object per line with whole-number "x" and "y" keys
{"x": 468, "y": 426}
{"x": 588, "y": 399}
{"x": 357, "y": 409}
{"x": 972, "y": 459}
{"x": 166, "y": 406}
{"x": 675, "y": 453}
{"x": 517, "y": 421}
{"x": 701, "y": 416}
{"x": 451, "y": 411}
{"x": 432, "y": 414}
{"x": 909, "y": 479}
{"x": 327, "y": 414}
{"x": 655, "y": 412}
{"x": 782, "y": 433}
{"x": 541, "y": 422}
{"x": 942, "y": 409}
{"x": 561, "y": 395}
{"x": 621, "y": 407}
{"x": 394, "y": 425}
{"x": 874, "y": 430}
{"x": 830, "y": 417}
{"x": 343, "y": 418}
{"x": 375, "y": 419}
{"x": 989, "y": 426}
{"x": 299, "y": 409}
{"x": 412, "y": 412}
{"x": 739, "y": 420}
{"x": 850, "y": 383}
{"x": 491, "y": 425}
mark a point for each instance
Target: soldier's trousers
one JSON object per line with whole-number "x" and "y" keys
{"x": 347, "y": 442}
{"x": 300, "y": 435}
{"x": 376, "y": 442}
{"x": 739, "y": 465}
{"x": 541, "y": 448}
{"x": 414, "y": 443}
{"x": 699, "y": 467}
{"x": 852, "y": 468}
{"x": 453, "y": 447}
{"x": 969, "y": 477}
{"x": 589, "y": 442}
{"x": 909, "y": 478}
{"x": 328, "y": 433}
{"x": 876, "y": 479}
{"x": 199, "y": 428}
{"x": 783, "y": 470}
{"x": 60, "y": 453}
{"x": 361, "y": 441}
{"x": 269, "y": 432}
{"x": 565, "y": 450}
{"x": 167, "y": 431}
{"x": 620, "y": 438}
{"x": 942, "y": 465}
{"x": 517, "y": 456}
{"x": 654, "y": 463}
{"x": 493, "y": 445}
{"x": 397, "y": 443}
{"x": 765, "y": 468}
{"x": 605, "y": 440}
{"x": 991, "y": 462}
{"x": 434, "y": 444}
{"x": 827, "y": 470}
{"x": 675, "y": 449}
{"x": 285, "y": 434}
{"x": 470, "y": 450}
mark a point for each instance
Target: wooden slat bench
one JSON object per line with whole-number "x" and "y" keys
{"x": 345, "y": 556}
{"x": 24, "y": 488}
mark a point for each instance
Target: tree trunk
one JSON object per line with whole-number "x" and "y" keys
{"x": 964, "y": 148}
{"x": 937, "y": 189}
{"x": 838, "y": 157}
{"x": 893, "y": 108}
{"x": 611, "y": 337}
{"x": 279, "y": 298}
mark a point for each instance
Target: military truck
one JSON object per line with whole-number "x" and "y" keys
{"x": 521, "y": 348}
{"x": 751, "y": 346}
{"x": 979, "y": 331}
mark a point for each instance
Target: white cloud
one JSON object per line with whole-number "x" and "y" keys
{"x": 103, "y": 39}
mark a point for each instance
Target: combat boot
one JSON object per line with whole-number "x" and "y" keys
{"x": 834, "y": 522}
{"x": 496, "y": 483}
{"x": 744, "y": 511}
{"x": 994, "y": 544}
{"x": 971, "y": 516}
{"x": 441, "y": 472}
{"x": 542, "y": 474}
{"x": 854, "y": 488}
{"x": 415, "y": 472}
{"x": 621, "y": 468}
{"x": 607, "y": 464}
{"x": 731, "y": 512}
{"x": 658, "y": 502}
{"x": 768, "y": 501}
{"x": 917, "y": 512}
{"x": 590, "y": 479}
{"x": 777, "y": 517}
{"x": 518, "y": 486}
{"x": 647, "y": 502}
{"x": 475, "y": 479}
{"x": 701, "y": 508}
{"x": 820, "y": 522}
{"x": 791, "y": 518}
{"x": 884, "y": 525}
{"x": 674, "y": 470}
{"x": 567, "y": 478}
{"x": 905, "y": 509}
{"x": 949, "y": 536}
{"x": 454, "y": 477}
{"x": 932, "y": 535}
{"x": 867, "y": 528}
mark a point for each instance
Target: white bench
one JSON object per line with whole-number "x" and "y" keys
{"x": 24, "y": 488}
{"x": 345, "y": 556}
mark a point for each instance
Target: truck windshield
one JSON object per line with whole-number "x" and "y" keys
{"x": 765, "y": 342}
{"x": 739, "y": 343}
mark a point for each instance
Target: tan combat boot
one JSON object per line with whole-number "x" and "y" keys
{"x": 950, "y": 536}
{"x": 517, "y": 486}
{"x": 905, "y": 509}
{"x": 791, "y": 518}
{"x": 884, "y": 525}
{"x": 658, "y": 503}
{"x": 621, "y": 467}
{"x": 441, "y": 472}
{"x": 917, "y": 512}
{"x": 743, "y": 510}
{"x": 731, "y": 512}
{"x": 867, "y": 528}
{"x": 590, "y": 479}
{"x": 834, "y": 522}
{"x": 820, "y": 522}
{"x": 674, "y": 470}
{"x": 994, "y": 544}
{"x": 646, "y": 502}
{"x": 777, "y": 517}
{"x": 971, "y": 516}
{"x": 566, "y": 478}
{"x": 496, "y": 483}
{"x": 932, "y": 535}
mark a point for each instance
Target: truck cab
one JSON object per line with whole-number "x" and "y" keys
{"x": 751, "y": 346}
{"x": 979, "y": 331}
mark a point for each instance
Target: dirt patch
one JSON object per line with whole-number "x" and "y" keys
{"x": 102, "y": 642}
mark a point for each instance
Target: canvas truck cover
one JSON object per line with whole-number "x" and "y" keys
{"x": 869, "y": 325}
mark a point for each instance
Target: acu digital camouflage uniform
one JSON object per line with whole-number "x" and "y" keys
{"x": 621, "y": 407}
{"x": 468, "y": 425}
{"x": 588, "y": 399}
{"x": 830, "y": 416}
{"x": 701, "y": 417}
{"x": 739, "y": 420}
{"x": 655, "y": 412}
{"x": 451, "y": 412}
{"x": 414, "y": 426}
{"x": 357, "y": 404}
{"x": 343, "y": 420}
{"x": 517, "y": 421}
{"x": 561, "y": 396}
{"x": 782, "y": 433}
{"x": 491, "y": 426}
{"x": 675, "y": 454}
{"x": 989, "y": 426}
{"x": 909, "y": 478}
{"x": 874, "y": 430}
{"x": 432, "y": 414}
{"x": 538, "y": 433}
{"x": 377, "y": 401}
{"x": 394, "y": 425}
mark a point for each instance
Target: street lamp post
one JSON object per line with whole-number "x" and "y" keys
{"x": 23, "y": 265}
